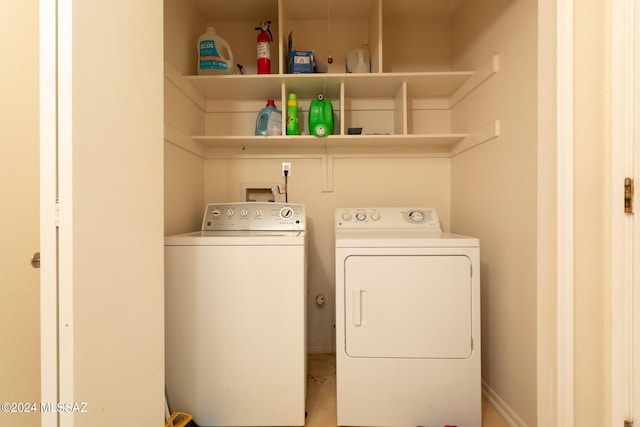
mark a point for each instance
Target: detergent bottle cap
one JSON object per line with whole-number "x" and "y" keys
{"x": 271, "y": 103}
{"x": 293, "y": 99}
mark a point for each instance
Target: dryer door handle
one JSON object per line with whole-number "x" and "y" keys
{"x": 357, "y": 307}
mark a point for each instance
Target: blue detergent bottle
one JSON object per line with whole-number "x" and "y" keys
{"x": 269, "y": 120}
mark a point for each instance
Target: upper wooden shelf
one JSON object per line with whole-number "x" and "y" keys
{"x": 421, "y": 84}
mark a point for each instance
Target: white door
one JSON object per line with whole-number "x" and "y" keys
{"x": 19, "y": 287}
{"x": 625, "y": 232}
{"x": 635, "y": 290}
{"x": 413, "y": 306}
{"x": 101, "y": 121}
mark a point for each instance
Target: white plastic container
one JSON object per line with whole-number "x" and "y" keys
{"x": 214, "y": 54}
{"x": 358, "y": 60}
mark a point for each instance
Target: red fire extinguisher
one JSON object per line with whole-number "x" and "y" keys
{"x": 264, "y": 48}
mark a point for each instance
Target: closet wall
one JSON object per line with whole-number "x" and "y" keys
{"x": 494, "y": 194}
{"x": 184, "y": 169}
{"x": 488, "y": 191}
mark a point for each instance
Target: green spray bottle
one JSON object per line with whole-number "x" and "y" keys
{"x": 292, "y": 114}
{"x": 321, "y": 116}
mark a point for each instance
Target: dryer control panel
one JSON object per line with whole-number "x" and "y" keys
{"x": 254, "y": 216}
{"x": 387, "y": 218}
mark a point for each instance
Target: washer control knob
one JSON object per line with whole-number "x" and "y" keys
{"x": 215, "y": 212}
{"x": 416, "y": 216}
{"x": 346, "y": 216}
{"x": 258, "y": 213}
{"x": 244, "y": 213}
{"x": 375, "y": 216}
{"x": 361, "y": 216}
{"x": 230, "y": 212}
{"x": 286, "y": 213}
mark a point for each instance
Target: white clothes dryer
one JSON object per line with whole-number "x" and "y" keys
{"x": 235, "y": 316}
{"x": 407, "y": 320}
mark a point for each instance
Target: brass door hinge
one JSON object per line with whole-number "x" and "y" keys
{"x": 628, "y": 195}
{"x": 628, "y": 423}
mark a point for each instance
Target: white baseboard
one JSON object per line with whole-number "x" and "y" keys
{"x": 501, "y": 407}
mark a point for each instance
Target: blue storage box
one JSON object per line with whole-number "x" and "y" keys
{"x": 300, "y": 61}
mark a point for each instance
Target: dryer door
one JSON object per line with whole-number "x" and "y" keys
{"x": 408, "y": 306}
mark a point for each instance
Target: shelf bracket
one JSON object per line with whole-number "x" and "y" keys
{"x": 327, "y": 173}
{"x": 483, "y": 73}
{"x": 477, "y": 137}
{"x": 172, "y": 75}
{"x": 181, "y": 140}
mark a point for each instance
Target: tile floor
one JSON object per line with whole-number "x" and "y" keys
{"x": 321, "y": 395}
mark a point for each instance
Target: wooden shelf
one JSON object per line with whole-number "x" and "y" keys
{"x": 427, "y": 84}
{"x": 330, "y": 141}
{"x": 407, "y": 106}
{"x": 448, "y": 144}
{"x": 395, "y": 95}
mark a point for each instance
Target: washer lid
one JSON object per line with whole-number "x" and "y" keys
{"x": 238, "y": 238}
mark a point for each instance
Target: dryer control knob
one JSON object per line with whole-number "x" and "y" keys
{"x": 416, "y": 216}
{"x": 346, "y": 216}
{"x": 361, "y": 216}
{"x": 375, "y": 216}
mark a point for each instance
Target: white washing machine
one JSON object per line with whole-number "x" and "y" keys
{"x": 235, "y": 316}
{"x": 407, "y": 320}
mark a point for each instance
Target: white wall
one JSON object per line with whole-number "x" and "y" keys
{"x": 494, "y": 191}
{"x": 518, "y": 188}
{"x": 183, "y": 25}
{"x": 497, "y": 191}
{"x": 489, "y": 192}
{"x": 19, "y": 191}
{"x": 184, "y": 169}
{"x": 358, "y": 182}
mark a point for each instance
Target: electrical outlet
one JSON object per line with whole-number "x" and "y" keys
{"x": 286, "y": 167}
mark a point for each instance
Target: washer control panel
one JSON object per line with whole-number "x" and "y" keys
{"x": 254, "y": 216}
{"x": 387, "y": 218}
